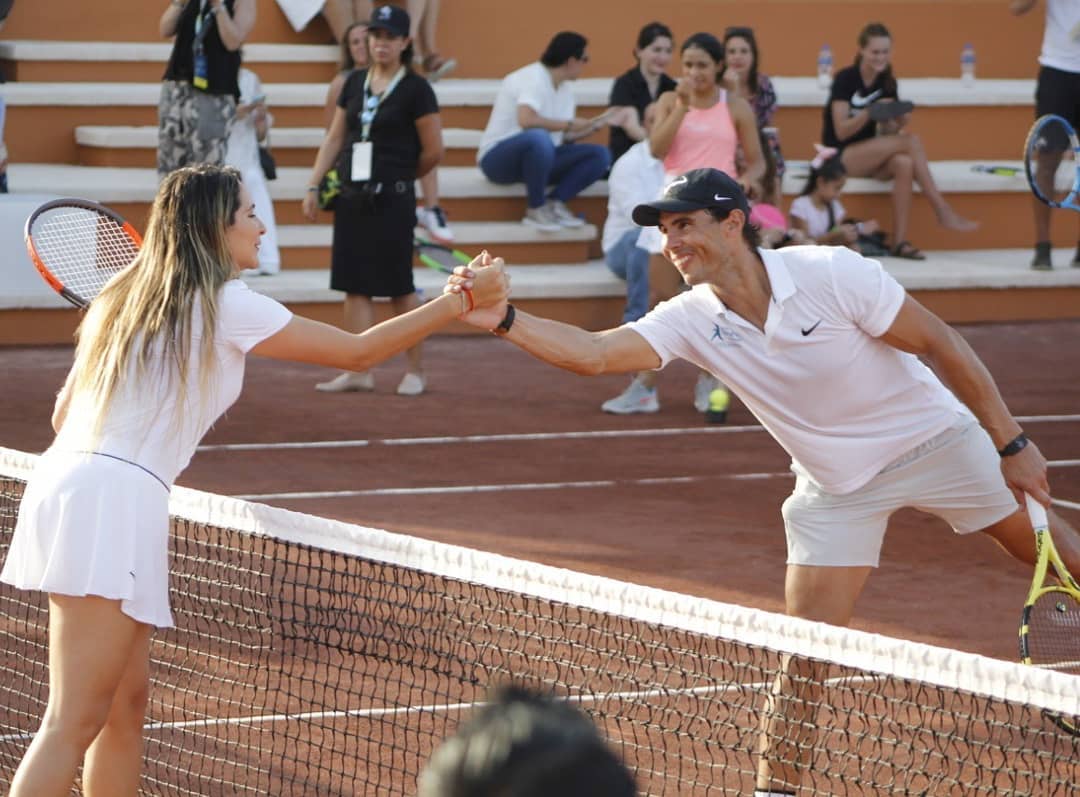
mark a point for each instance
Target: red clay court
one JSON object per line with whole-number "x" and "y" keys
{"x": 508, "y": 455}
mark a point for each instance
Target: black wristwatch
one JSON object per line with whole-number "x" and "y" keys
{"x": 1014, "y": 446}
{"x": 506, "y": 323}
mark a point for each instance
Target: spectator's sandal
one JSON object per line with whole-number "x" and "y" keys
{"x": 435, "y": 66}
{"x": 907, "y": 250}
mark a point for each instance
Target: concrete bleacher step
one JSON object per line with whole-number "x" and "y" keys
{"x": 1001, "y": 204}
{"x": 986, "y": 121}
{"x": 105, "y": 61}
{"x": 308, "y": 246}
{"x": 134, "y": 146}
{"x": 974, "y": 285}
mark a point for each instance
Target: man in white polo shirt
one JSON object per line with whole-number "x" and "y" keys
{"x": 820, "y": 344}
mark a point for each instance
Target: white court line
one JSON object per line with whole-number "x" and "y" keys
{"x": 486, "y": 438}
{"x": 501, "y": 488}
{"x": 459, "y": 489}
{"x": 260, "y": 719}
{"x": 529, "y": 437}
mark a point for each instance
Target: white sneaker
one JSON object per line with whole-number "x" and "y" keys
{"x": 542, "y": 219}
{"x": 636, "y": 398}
{"x": 705, "y": 385}
{"x": 348, "y": 382}
{"x": 563, "y": 216}
{"x": 434, "y": 221}
{"x": 411, "y": 385}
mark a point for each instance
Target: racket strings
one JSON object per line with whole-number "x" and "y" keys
{"x": 1054, "y": 632}
{"x": 82, "y": 248}
{"x": 1050, "y": 159}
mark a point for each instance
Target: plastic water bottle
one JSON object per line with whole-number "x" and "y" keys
{"x": 967, "y": 65}
{"x": 824, "y": 66}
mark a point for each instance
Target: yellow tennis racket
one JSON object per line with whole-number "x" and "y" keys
{"x": 1050, "y": 624}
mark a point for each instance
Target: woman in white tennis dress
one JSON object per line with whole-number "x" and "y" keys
{"x": 160, "y": 357}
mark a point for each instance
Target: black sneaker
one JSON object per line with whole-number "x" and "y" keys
{"x": 1041, "y": 261}
{"x": 884, "y": 111}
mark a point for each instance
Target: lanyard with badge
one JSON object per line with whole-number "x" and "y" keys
{"x": 200, "y": 78}
{"x": 362, "y": 149}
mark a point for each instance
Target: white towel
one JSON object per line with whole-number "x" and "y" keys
{"x": 300, "y": 12}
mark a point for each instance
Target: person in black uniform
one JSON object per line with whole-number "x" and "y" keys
{"x": 385, "y": 134}
{"x": 638, "y": 87}
{"x": 200, "y": 87}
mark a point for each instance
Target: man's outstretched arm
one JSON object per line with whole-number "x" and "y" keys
{"x": 613, "y": 351}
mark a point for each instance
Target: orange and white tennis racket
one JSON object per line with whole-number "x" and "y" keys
{"x": 78, "y": 246}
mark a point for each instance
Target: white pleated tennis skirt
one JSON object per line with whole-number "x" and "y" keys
{"x": 92, "y": 525}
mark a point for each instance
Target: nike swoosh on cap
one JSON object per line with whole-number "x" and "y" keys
{"x": 719, "y": 198}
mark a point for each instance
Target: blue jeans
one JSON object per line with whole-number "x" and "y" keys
{"x": 630, "y": 262}
{"x": 532, "y": 158}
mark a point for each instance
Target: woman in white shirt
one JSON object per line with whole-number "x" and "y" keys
{"x": 160, "y": 357}
{"x": 250, "y": 130}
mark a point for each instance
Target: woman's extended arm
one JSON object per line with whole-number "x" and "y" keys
{"x": 304, "y": 340}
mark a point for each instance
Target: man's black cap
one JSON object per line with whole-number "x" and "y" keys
{"x": 697, "y": 189}
{"x": 390, "y": 18}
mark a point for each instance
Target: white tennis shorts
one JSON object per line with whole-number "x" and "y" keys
{"x": 955, "y": 475}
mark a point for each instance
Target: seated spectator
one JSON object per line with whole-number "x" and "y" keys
{"x": 639, "y": 87}
{"x": 865, "y": 122}
{"x": 635, "y": 178}
{"x": 523, "y": 745}
{"x": 198, "y": 95}
{"x": 742, "y": 78}
{"x": 250, "y": 130}
{"x": 817, "y": 213}
{"x": 533, "y": 131}
{"x": 425, "y": 21}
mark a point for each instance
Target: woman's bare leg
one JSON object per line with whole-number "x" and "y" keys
{"x": 114, "y": 761}
{"x": 338, "y": 15}
{"x": 359, "y": 316}
{"x": 91, "y": 645}
{"x": 946, "y": 216}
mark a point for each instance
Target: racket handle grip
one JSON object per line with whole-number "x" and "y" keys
{"x": 1037, "y": 513}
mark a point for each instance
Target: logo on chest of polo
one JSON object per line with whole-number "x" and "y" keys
{"x": 725, "y": 336}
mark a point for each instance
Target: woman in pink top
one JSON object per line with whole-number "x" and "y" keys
{"x": 699, "y": 125}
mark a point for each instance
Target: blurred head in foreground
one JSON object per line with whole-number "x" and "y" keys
{"x": 521, "y": 744}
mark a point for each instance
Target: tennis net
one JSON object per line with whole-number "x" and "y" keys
{"x": 317, "y": 657}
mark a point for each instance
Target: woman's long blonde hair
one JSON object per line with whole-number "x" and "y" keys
{"x": 147, "y": 308}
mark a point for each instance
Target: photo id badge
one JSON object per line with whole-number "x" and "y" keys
{"x": 200, "y": 78}
{"x": 361, "y": 161}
